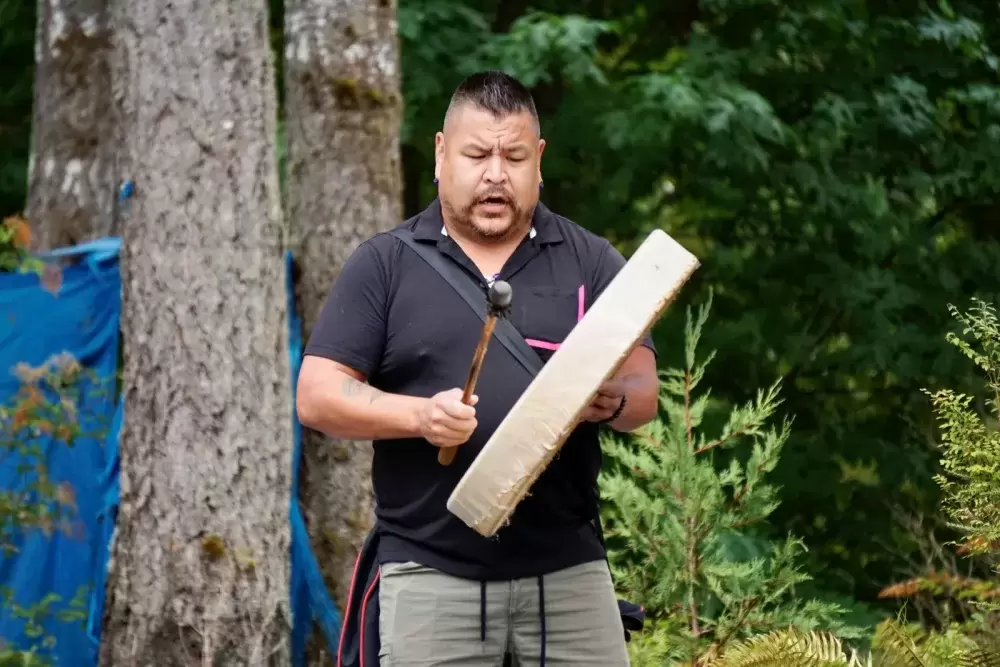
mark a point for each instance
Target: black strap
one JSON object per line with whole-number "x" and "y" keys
{"x": 462, "y": 283}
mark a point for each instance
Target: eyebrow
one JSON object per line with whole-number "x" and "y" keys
{"x": 476, "y": 146}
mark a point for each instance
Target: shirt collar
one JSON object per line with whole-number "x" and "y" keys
{"x": 531, "y": 234}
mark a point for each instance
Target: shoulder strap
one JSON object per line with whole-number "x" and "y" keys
{"x": 462, "y": 283}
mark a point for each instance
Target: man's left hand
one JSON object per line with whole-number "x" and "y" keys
{"x": 605, "y": 402}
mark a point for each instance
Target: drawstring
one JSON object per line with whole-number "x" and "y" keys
{"x": 541, "y": 615}
{"x": 482, "y": 611}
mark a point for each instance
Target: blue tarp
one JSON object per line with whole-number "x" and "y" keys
{"x": 79, "y": 317}
{"x": 82, "y": 318}
{"x": 310, "y": 598}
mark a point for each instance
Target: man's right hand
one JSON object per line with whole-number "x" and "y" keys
{"x": 445, "y": 421}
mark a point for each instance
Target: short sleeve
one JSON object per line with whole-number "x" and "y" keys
{"x": 350, "y": 328}
{"x": 609, "y": 262}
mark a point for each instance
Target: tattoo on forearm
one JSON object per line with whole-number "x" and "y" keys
{"x": 352, "y": 387}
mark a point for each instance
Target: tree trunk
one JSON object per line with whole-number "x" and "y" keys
{"x": 343, "y": 114}
{"x": 71, "y": 183}
{"x": 200, "y": 569}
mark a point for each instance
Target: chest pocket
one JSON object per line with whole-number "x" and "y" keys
{"x": 546, "y": 315}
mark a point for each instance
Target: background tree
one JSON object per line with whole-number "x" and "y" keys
{"x": 71, "y": 184}
{"x": 342, "y": 120}
{"x": 199, "y": 568}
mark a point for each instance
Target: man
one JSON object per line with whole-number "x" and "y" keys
{"x": 387, "y": 361}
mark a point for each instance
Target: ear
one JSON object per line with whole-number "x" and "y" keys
{"x": 438, "y": 154}
{"x": 541, "y": 149}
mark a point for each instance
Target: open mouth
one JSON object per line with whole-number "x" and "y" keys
{"x": 494, "y": 201}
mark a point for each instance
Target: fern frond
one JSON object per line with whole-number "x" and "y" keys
{"x": 860, "y": 660}
{"x": 785, "y": 648}
{"x": 985, "y": 654}
{"x": 896, "y": 648}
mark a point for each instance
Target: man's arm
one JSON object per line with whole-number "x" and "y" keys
{"x": 337, "y": 400}
{"x": 638, "y": 382}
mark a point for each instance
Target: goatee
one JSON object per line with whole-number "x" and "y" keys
{"x": 465, "y": 219}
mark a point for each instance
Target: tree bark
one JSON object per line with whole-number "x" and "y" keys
{"x": 343, "y": 114}
{"x": 200, "y": 569}
{"x": 71, "y": 185}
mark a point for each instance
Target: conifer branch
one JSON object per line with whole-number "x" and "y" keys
{"x": 677, "y": 518}
{"x": 721, "y": 441}
{"x": 688, "y": 425}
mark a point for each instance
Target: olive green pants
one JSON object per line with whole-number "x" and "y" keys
{"x": 430, "y": 619}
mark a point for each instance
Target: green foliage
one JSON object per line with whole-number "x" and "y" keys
{"x": 51, "y": 606}
{"x": 824, "y": 171}
{"x": 680, "y": 521}
{"x": 15, "y": 235}
{"x": 44, "y": 407}
{"x": 16, "y": 99}
{"x": 970, "y": 479}
{"x": 970, "y": 471}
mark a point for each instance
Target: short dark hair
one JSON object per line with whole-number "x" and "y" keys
{"x": 497, "y": 92}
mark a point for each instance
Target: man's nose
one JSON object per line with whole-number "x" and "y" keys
{"x": 495, "y": 172}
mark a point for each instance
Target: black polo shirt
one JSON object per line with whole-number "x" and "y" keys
{"x": 392, "y": 317}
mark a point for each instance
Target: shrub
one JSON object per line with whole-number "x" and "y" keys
{"x": 15, "y": 237}
{"x": 684, "y": 502}
{"x": 970, "y": 484}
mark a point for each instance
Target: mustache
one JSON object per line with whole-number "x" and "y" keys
{"x": 494, "y": 194}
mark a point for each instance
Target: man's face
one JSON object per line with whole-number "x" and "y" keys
{"x": 489, "y": 170}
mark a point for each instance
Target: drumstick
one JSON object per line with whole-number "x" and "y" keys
{"x": 498, "y": 305}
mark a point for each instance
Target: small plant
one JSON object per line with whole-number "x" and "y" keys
{"x": 970, "y": 479}
{"x": 44, "y": 408}
{"x": 681, "y": 523}
{"x": 15, "y": 238}
{"x": 47, "y": 410}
